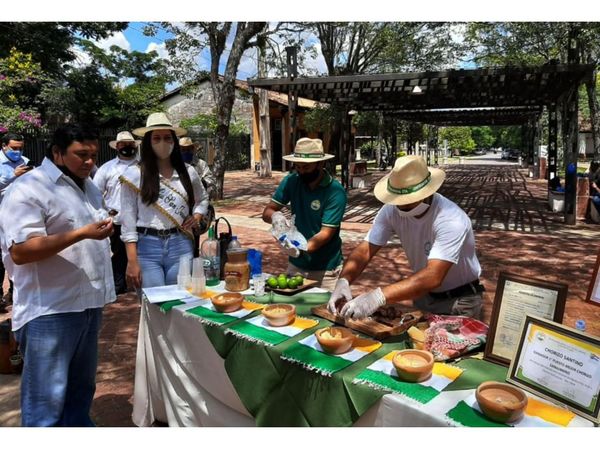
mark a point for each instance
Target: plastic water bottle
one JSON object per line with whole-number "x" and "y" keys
{"x": 210, "y": 251}
{"x": 234, "y": 243}
{"x": 580, "y": 325}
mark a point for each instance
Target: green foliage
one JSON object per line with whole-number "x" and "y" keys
{"x": 320, "y": 119}
{"x": 458, "y": 138}
{"x": 483, "y": 137}
{"x": 20, "y": 81}
{"x": 207, "y": 124}
{"x": 507, "y": 137}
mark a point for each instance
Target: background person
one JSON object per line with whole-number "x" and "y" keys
{"x": 12, "y": 165}
{"x": 107, "y": 180}
{"x": 437, "y": 238}
{"x": 318, "y": 201}
{"x": 54, "y": 231}
{"x": 162, "y": 200}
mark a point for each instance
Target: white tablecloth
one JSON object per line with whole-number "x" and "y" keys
{"x": 181, "y": 380}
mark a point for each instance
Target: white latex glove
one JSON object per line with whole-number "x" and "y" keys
{"x": 340, "y": 292}
{"x": 289, "y": 248}
{"x": 279, "y": 222}
{"x": 364, "y": 305}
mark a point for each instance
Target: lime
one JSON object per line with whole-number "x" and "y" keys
{"x": 282, "y": 283}
{"x": 282, "y": 275}
{"x": 272, "y": 282}
{"x": 299, "y": 279}
{"x": 293, "y": 283}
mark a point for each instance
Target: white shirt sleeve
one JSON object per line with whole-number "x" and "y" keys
{"x": 31, "y": 219}
{"x": 200, "y": 194}
{"x": 129, "y": 210}
{"x": 101, "y": 178}
{"x": 381, "y": 230}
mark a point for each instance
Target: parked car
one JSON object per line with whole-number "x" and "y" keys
{"x": 514, "y": 154}
{"x": 480, "y": 151}
{"x": 505, "y": 154}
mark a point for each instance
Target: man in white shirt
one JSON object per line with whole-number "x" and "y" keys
{"x": 54, "y": 243}
{"x": 107, "y": 180}
{"x": 437, "y": 237}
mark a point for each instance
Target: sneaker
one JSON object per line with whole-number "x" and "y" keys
{"x": 7, "y": 299}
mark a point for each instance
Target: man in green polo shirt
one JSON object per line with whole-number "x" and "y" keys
{"x": 318, "y": 201}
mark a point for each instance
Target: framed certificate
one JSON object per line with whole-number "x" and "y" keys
{"x": 560, "y": 364}
{"x": 516, "y": 297}
{"x": 593, "y": 294}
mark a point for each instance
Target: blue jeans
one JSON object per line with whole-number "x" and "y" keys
{"x": 60, "y": 353}
{"x": 158, "y": 258}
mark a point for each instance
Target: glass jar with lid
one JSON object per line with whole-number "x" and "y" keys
{"x": 237, "y": 270}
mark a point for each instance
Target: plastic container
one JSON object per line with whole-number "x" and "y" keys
{"x": 210, "y": 251}
{"x": 580, "y": 325}
{"x": 237, "y": 270}
{"x": 234, "y": 243}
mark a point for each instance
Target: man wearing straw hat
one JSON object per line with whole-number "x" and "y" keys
{"x": 318, "y": 201}
{"x": 107, "y": 180}
{"x": 437, "y": 238}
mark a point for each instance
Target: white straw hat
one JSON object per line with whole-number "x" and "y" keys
{"x": 124, "y": 136}
{"x": 187, "y": 142}
{"x": 409, "y": 181}
{"x": 308, "y": 151}
{"x": 158, "y": 121}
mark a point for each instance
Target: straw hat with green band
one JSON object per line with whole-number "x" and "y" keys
{"x": 308, "y": 151}
{"x": 409, "y": 181}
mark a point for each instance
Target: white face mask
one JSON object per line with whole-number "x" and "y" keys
{"x": 421, "y": 208}
{"x": 162, "y": 149}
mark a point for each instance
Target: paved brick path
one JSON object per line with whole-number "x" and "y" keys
{"x": 514, "y": 231}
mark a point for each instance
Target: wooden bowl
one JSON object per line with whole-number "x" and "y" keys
{"x": 227, "y": 302}
{"x": 335, "y": 340}
{"x": 501, "y": 402}
{"x": 413, "y": 365}
{"x": 279, "y": 315}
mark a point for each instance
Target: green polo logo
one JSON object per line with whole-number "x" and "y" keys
{"x": 315, "y": 205}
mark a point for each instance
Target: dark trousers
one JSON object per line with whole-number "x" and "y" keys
{"x": 118, "y": 260}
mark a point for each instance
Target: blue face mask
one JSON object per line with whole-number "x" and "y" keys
{"x": 188, "y": 157}
{"x": 12, "y": 154}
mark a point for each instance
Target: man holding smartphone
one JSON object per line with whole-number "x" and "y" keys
{"x": 12, "y": 165}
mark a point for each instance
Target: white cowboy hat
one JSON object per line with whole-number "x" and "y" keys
{"x": 187, "y": 142}
{"x": 409, "y": 181}
{"x": 124, "y": 136}
{"x": 308, "y": 151}
{"x": 158, "y": 121}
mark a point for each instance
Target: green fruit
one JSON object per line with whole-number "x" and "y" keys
{"x": 293, "y": 283}
{"x": 272, "y": 282}
{"x": 299, "y": 279}
{"x": 282, "y": 283}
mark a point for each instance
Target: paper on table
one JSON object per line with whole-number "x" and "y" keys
{"x": 160, "y": 294}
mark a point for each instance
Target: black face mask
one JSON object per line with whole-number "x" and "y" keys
{"x": 80, "y": 182}
{"x": 309, "y": 177}
{"x": 126, "y": 152}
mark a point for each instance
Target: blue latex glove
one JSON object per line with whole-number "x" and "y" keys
{"x": 290, "y": 249}
{"x": 364, "y": 305}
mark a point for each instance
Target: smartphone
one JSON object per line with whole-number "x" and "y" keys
{"x": 30, "y": 164}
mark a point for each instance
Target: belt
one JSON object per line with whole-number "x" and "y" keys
{"x": 158, "y": 233}
{"x": 474, "y": 287}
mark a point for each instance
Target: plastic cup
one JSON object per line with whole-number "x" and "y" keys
{"x": 198, "y": 285}
{"x": 184, "y": 282}
{"x": 259, "y": 285}
{"x": 185, "y": 265}
{"x": 198, "y": 268}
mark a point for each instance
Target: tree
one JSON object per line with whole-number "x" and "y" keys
{"x": 458, "y": 138}
{"x": 482, "y": 136}
{"x": 190, "y": 39}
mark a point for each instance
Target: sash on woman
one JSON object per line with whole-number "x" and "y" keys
{"x": 171, "y": 203}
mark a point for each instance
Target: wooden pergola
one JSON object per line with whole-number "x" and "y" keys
{"x": 484, "y": 96}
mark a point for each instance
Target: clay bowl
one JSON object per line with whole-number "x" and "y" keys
{"x": 413, "y": 365}
{"x": 227, "y": 302}
{"x": 501, "y": 402}
{"x": 335, "y": 340}
{"x": 279, "y": 315}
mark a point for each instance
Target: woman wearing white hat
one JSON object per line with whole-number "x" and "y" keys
{"x": 437, "y": 238}
{"x": 162, "y": 200}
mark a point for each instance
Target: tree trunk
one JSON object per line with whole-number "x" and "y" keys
{"x": 594, "y": 115}
{"x": 264, "y": 124}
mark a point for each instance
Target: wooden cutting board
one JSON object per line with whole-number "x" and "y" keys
{"x": 369, "y": 326}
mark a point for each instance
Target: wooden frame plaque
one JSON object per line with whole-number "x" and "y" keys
{"x": 516, "y": 297}
{"x": 559, "y": 364}
{"x": 593, "y": 294}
